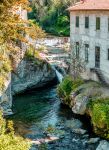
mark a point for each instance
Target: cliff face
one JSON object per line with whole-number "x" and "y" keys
{"x": 6, "y": 97}
{"x": 92, "y": 100}
{"x": 31, "y": 74}
{"x": 28, "y": 74}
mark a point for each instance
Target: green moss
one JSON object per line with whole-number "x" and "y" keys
{"x": 99, "y": 112}
{"x": 5, "y": 68}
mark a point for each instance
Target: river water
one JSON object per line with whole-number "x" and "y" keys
{"x": 40, "y": 117}
{"x": 37, "y": 111}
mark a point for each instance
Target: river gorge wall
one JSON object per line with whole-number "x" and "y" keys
{"x": 89, "y": 99}
{"x": 30, "y": 73}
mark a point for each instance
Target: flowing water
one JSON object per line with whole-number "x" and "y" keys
{"x": 37, "y": 111}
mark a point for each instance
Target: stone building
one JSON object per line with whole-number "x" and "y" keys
{"x": 89, "y": 32}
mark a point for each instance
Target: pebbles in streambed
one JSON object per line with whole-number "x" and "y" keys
{"x": 73, "y": 124}
{"x": 79, "y": 131}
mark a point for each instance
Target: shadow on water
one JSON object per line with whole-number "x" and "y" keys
{"x": 39, "y": 108}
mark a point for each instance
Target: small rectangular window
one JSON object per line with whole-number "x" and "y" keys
{"x": 108, "y": 24}
{"x": 86, "y": 22}
{"x": 108, "y": 54}
{"x": 86, "y": 53}
{"x": 77, "y": 21}
{"x": 77, "y": 50}
{"x": 97, "y": 23}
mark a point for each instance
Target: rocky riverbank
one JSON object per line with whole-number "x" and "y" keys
{"x": 90, "y": 99}
{"x": 30, "y": 73}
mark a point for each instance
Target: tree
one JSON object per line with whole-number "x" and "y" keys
{"x": 13, "y": 29}
{"x": 77, "y": 63}
{"x": 48, "y": 13}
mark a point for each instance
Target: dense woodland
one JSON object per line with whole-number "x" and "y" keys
{"x": 52, "y": 15}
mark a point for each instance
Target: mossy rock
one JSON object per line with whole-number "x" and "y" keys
{"x": 99, "y": 112}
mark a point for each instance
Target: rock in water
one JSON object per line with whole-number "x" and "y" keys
{"x": 80, "y": 104}
{"x": 104, "y": 145}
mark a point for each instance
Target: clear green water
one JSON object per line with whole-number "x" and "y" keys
{"x": 35, "y": 110}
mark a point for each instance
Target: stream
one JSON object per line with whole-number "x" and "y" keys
{"x": 40, "y": 117}
{"x": 37, "y": 111}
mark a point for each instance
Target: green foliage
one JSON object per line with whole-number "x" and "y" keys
{"x": 52, "y": 16}
{"x": 52, "y": 130}
{"x": 7, "y": 66}
{"x": 9, "y": 127}
{"x": 67, "y": 86}
{"x": 32, "y": 53}
{"x": 100, "y": 116}
{"x": 2, "y": 81}
{"x": 8, "y": 141}
{"x": 43, "y": 146}
{"x": 62, "y": 21}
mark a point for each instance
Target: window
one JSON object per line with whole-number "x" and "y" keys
{"x": 108, "y": 24}
{"x": 97, "y": 23}
{"x": 108, "y": 54}
{"x": 77, "y": 50}
{"x": 77, "y": 21}
{"x": 86, "y": 53}
{"x": 86, "y": 22}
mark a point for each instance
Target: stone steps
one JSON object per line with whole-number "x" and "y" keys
{"x": 100, "y": 76}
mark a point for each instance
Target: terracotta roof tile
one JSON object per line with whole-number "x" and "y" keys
{"x": 90, "y": 5}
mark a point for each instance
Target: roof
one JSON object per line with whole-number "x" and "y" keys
{"x": 89, "y": 5}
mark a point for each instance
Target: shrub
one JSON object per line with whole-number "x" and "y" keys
{"x": 63, "y": 21}
{"x": 7, "y": 66}
{"x": 32, "y": 53}
{"x": 100, "y": 116}
{"x": 67, "y": 86}
{"x": 8, "y": 140}
{"x": 2, "y": 81}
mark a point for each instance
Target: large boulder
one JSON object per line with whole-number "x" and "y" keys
{"x": 104, "y": 145}
{"x": 80, "y": 104}
{"x": 31, "y": 74}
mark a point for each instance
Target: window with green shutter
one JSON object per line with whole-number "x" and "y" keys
{"x": 86, "y": 22}
{"x": 108, "y": 24}
{"x": 77, "y": 21}
{"x": 108, "y": 54}
{"x": 97, "y": 23}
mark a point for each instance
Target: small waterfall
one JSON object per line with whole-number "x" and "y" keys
{"x": 59, "y": 75}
